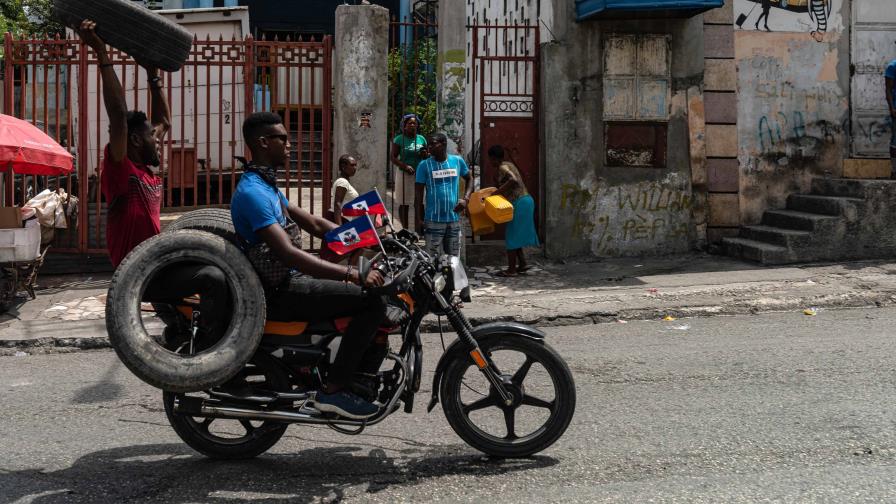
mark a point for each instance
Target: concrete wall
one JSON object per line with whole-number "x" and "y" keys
{"x": 598, "y": 210}
{"x": 451, "y": 73}
{"x": 721, "y": 180}
{"x": 793, "y": 103}
{"x": 361, "y": 99}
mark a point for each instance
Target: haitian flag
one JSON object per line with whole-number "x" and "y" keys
{"x": 352, "y": 235}
{"x": 368, "y": 203}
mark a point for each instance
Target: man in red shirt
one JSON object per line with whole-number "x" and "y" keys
{"x": 133, "y": 192}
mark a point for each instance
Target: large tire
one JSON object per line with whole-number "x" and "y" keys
{"x": 562, "y": 406}
{"x": 216, "y": 221}
{"x": 157, "y": 365}
{"x": 257, "y": 438}
{"x": 142, "y": 34}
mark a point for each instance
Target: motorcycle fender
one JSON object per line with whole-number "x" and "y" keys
{"x": 481, "y": 334}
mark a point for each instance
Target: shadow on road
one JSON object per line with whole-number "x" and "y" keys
{"x": 174, "y": 473}
{"x": 105, "y": 390}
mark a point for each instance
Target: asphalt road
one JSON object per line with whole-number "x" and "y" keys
{"x": 783, "y": 408}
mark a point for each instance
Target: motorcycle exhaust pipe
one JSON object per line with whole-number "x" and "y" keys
{"x": 198, "y": 407}
{"x": 194, "y": 406}
{"x": 260, "y": 399}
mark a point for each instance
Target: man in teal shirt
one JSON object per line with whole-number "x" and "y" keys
{"x": 438, "y": 177}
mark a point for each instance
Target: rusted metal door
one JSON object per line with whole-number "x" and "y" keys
{"x": 873, "y": 32}
{"x": 505, "y": 101}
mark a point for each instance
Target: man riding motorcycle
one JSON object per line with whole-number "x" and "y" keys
{"x": 299, "y": 283}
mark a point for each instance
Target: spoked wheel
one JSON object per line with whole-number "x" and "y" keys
{"x": 542, "y": 405}
{"x": 222, "y": 438}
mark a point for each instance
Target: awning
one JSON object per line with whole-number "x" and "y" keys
{"x": 634, "y": 9}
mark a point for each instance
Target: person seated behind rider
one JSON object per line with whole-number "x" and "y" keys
{"x": 316, "y": 290}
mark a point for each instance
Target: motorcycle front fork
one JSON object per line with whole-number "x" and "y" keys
{"x": 464, "y": 330}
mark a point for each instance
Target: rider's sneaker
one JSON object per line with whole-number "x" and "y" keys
{"x": 345, "y": 404}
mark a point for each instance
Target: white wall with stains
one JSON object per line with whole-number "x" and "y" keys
{"x": 793, "y": 104}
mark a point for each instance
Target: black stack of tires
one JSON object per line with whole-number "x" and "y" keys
{"x": 204, "y": 237}
{"x": 125, "y": 25}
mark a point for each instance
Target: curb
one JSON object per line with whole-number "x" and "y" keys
{"x": 878, "y": 300}
{"x": 858, "y": 300}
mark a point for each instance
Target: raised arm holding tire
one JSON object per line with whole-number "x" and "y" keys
{"x": 133, "y": 192}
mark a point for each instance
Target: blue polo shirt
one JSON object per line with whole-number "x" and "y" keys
{"x": 256, "y": 205}
{"x": 442, "y": 181}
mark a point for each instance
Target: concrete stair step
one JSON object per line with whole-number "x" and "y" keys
{"x": 776, "y": 236}
{"x": 818, "y": 204}
{"x": 852, "y": 188}
{"x": 758, "y": 251}
{"x": 797, "y": 220}
{"x": 849, "y": 188}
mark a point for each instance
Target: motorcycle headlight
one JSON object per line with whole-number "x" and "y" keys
{"x": 439, "y": 282}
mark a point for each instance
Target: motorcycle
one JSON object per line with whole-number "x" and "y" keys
{"x": 502, "y": 388}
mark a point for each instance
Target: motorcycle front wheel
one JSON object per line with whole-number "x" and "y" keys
{"x": 542, "y": 405}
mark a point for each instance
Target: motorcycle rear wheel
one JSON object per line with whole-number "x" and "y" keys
{"x": 223, "y": 443}
{"x": 462, "y": 377}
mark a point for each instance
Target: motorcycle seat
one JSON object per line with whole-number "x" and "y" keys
{"x": 282, "y": 327}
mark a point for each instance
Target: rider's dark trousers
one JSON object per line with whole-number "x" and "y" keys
{"x": 313, "y": 299}
{"x": 176, "y": 282}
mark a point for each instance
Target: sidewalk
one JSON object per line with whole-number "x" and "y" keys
{"x": 68, "y": 312}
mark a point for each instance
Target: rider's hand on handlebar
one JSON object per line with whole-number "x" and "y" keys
{"x": 374, "y": 279}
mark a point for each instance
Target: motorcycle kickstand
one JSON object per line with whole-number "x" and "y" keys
{"x": 194, "y": 328}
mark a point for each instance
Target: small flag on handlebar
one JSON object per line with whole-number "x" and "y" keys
{"x": 352, "y": 235}
{"x": 368, "y": 203}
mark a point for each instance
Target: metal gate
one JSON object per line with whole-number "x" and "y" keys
{"x": 505, "y": 102}
{"x": 873, "y": 32}
{"x": 54, "y": 83}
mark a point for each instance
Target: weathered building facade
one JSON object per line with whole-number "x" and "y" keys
{"x": 616, "y": 135}
{"x": 665, "y": 131}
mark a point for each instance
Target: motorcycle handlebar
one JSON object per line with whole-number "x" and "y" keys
{"x": 391, "y": 287}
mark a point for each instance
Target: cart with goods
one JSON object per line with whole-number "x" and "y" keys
{"x": 24, "y": 150}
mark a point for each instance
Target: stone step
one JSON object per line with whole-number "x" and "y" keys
{"x": 776, "y": 236}
{"x": 849, "y": 188}
{"x": 826, "y": 205}
{"x": 852, "y": 188}
{"x": 800, "y": 221}
{"x": 758, "y": 251}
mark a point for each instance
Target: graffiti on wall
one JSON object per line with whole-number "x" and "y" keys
{"x": 791, "y": 109}
{"x": 451, "y": 103}
{"x": 793, "y": 117}
{"x": 629, "y": 219}
{"x": 815, "y": 17}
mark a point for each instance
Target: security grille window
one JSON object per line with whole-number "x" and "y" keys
{"x": 636, "y": 99}
{"x": 636, "y": 78}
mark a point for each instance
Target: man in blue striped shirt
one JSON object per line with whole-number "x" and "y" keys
{"x": 439, "y": 178}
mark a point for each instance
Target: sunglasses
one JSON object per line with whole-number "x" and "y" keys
{"x": 283, "y": 138}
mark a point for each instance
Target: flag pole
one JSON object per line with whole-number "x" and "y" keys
{"x": 380, "y": 242}
{"x": 388, "y": 215}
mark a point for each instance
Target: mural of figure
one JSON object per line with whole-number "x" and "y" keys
{"x": 813, "y": 17}
{"x": 766, "y": 7}
{"x": 819, "y": 12}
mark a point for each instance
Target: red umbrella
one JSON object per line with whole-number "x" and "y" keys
{"x": 29, "y": 151}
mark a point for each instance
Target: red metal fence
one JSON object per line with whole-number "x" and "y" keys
{"x": 54, "y": 83}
